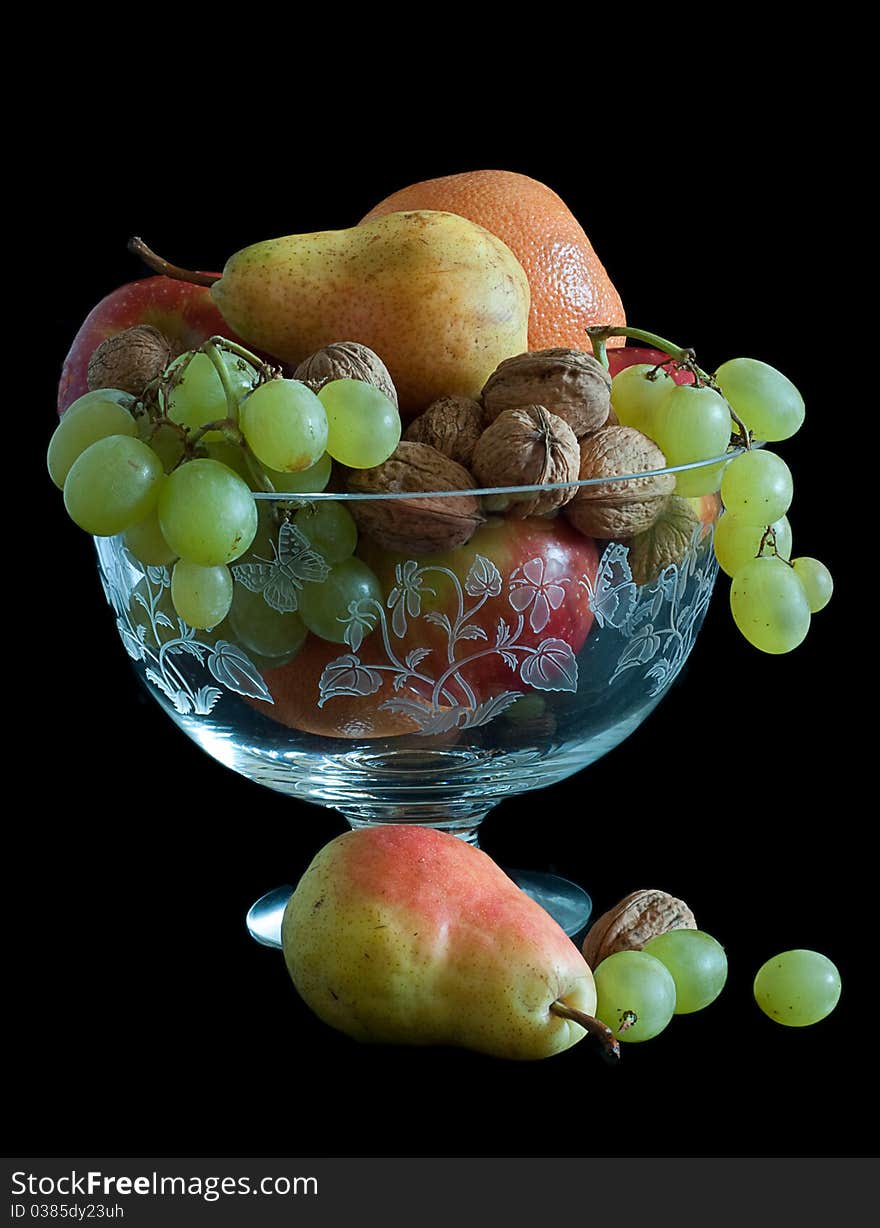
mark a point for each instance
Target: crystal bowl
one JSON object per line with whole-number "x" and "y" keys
{"x": 460, "y": 679}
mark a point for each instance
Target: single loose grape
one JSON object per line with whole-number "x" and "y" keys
{"x": 201, "y": 595}
{"x": 633, "y": 983}
{"x": 330, "y": 528}
{"x": 113, "y": 485}
{"x": 285, "y": 425}
{"x": 765, "y": 399}
{"x": 146, "y": 543}
{"x": 697, "y": 963}
{"x": 636, "y": 392}
{"x": 263, "y": 630}
{"x": 817, "y": 581}
{"x": 363, "y": 424}
{"x": 88, "y": 420}
{"x": 199, "y": 396}
{"x": 207, "y": 513}
{"x": 797, "y": 988}
{"x": 737, "y": 542}
{"x": 757, "y": 487}
{"x": 769, "y": 605}
{"x": 325, "y": 606}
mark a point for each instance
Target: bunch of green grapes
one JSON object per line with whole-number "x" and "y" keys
{"x": 176, "y": 474}
{"x": 773, "y": 596}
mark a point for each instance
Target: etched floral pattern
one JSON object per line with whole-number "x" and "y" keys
{"x": 163, "y": 642}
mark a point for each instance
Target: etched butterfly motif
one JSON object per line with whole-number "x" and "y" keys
{"x": 614, "y": 594}
{"x": 281, "y": 578}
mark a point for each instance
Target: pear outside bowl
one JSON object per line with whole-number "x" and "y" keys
{"x": 454, "y": 682}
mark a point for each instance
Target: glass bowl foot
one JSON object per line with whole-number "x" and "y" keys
{"x": 567, "y": 904}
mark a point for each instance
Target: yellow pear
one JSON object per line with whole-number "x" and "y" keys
{"x": 409, "y": 935}
{"x": 438, "y": 298}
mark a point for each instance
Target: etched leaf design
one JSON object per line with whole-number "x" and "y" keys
{"x": 551, "y": 667}
{"x": 490, "y": 708}
{"x": 471, "y": 632}
{"x": 347, "y": 676}
{"x": 439, "y": 620}
{"x": 232, "y": 669}
{"x": 160, "y": 576}
{"x": 132, "y": 644}
{"x": 178, "y": 697}
{"x": 483, "y": 578}
{"x": 205, "y": 700}
{"x": 429, "y": 721}
{"x": 415, "y": 656}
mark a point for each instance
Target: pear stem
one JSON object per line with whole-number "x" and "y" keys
{"x": 158, "y": 265}
{"x": 599, "y": 1031}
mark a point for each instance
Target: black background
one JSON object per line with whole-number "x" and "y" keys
{"x": 145, "y": 1021}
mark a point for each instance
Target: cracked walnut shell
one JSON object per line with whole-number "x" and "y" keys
{"x": 346, "y": 360}
{"x": 627, "y": 926}
{"x": 452, "y": 425}
{"x": 528, "y": 447}
{"x": 571, "y": 384}
{"x": 619, "y": 509}
{"x": 416, "y": 526}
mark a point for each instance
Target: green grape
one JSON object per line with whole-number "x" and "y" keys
{"x": 768, "y": 402}
{"x": 635, "y": 397}
{"x": 817, "y": 582}
{"x": 363, "y": 424}
{"x": 797, "y": 988}
{"x": 125, "y": 399}
{"x": 262, "y": 630}
{"x": 207, "y": 513}
{"x": 199, "y": 397}
{"x": 325, "y": 607}
{"x": 691, "y": 424}
{"x": 285, "y": 425}
{"x": 232, "y": 456}
{"x": 737, "y": 541}
{"x": 634, "y": 983}
{"x": 697, "y": 963}
{"x": 166, "y": 439}
{"x": 769, "y": 605}
{"x": 309, "y": 481}
{"x": 757, "y": 487}
{"x": 112, "y": 485}
{"x": 146, "y": 543}
{"x": 201, "y": 595}
{"x": 330, "y": 528}
{"x": 89, "y": 419}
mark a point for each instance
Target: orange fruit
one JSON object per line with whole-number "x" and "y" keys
{"x": 569, "y": 285}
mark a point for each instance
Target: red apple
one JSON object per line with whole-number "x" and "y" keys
{"x": 184, "y": 313}
{"x": 628, "y": 356}
{"x": 463, "y": 633}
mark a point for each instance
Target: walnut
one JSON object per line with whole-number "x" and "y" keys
{"x": 619, "y": 509}
{"x": 627, "y": 926}
{"x": 571, "y": 384}
{"x": 528, "y": 447}
{"x": 452, "y": 425}
{"x": 416, "y": 526}
{"x": 129, "y": 360}
{"x": 345, "y": 360}
{"x": 667, "y": 541}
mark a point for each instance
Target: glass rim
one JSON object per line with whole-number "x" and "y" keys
{"x": 286, "y": 496}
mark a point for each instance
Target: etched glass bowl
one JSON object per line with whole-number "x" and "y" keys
{"x": 464, "y": 678}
